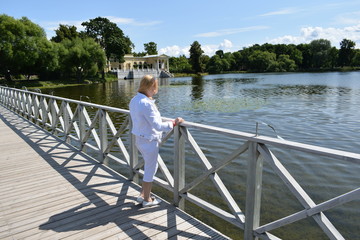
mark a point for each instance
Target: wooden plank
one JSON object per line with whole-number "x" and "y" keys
{"x": 133, "y": 223}
{"x": 48, "y": 201}
{"x": 50, "y": 190}
{"x": 37, "y": 212}
{"x": 73, "y": 219}
{"x": 177, "y": 224}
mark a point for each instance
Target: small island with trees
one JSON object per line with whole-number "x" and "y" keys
{"x": 78, "y": 57}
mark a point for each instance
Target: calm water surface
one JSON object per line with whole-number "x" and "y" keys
{"x": 315, "y": 108}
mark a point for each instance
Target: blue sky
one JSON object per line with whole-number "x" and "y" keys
{"x": 228, "y": 25}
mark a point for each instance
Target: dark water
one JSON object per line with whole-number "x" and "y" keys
{"x": 315, "y": 108}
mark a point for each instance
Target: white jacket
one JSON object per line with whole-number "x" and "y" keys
{"x": 146, "y": 118}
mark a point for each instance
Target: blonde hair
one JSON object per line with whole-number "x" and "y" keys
{"x": 146, "y": 83}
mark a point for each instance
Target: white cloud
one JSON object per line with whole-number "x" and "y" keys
{"x": 131, "y": 21}
{"x": 119, "y": 20}
{"x": 284, "y": 11}
{"x": 50, "y": 27}
{"x": 227, "y": 44}
{"x": 351, "y": 18}
{"x": 334, "y": 35}
{"x": 230, "y": 31}
{"x": 209, "y": 49}
{"x": 175, "y": 50}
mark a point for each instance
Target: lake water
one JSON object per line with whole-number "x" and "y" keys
{"x": 316, "y": 108}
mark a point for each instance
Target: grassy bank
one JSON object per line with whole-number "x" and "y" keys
{"x": 37, "y": 83}
{"x": 189, "y": 74}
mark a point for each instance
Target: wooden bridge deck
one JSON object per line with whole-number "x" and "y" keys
{"x": 49, "y": 190}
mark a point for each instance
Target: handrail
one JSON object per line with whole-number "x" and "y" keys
{"x": 96, "y": 133}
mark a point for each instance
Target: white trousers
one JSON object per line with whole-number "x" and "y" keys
{"x": 149, "y": 151}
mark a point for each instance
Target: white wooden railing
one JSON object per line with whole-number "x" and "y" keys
{"x": 96, "y": 133}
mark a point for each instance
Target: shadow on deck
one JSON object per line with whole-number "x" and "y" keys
{"x": 49, "y": 189}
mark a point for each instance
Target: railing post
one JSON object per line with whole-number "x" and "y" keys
{"x": 29, "y": 108}
{"x": 179, "y": 167}
{"x": 66, "y": 119}
{"x": 82, "y": 128}
{"x": 11, "y": 99}
{"x": 23, "y": 100}
{"x": 253, "y": 191}
{"x": 1, "y": 94}
{"x": 6, "y": 103}
{"x": 44, "y": 114}
{"x": 32, "y": 107}
{"x": 16, "y": 102}
{"x": 134, "y": 155}
{"x": 103, "y": 135}
{"x": 36, "y": 108}
{"x": 53, "y": 114}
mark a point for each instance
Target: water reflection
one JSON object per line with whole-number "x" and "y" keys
{"x": 302, "y": 89}
{"x": 197, "y": 88}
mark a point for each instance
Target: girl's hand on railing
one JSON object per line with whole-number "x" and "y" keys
{"x": 178, "y": 120}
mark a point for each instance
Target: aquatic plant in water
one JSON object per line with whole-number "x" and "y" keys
{"x": 228, "y": 105}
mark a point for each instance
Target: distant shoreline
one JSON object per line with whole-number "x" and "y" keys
{"x": 36, "y": 83}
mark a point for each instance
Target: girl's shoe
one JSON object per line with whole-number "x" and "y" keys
{"x": 150, "y": 204}
{"x": 140, "y": 199}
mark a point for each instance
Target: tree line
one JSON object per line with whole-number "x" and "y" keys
{"x": 317, "y": 55}
{"x": 25, "y": 51}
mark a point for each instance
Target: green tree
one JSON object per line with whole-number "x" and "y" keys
{"x": 262, "y": 61}
{"x": 109, "y": 36}
{"x": 280, "y": 49}
{"x": 356, "y": 59}
{"x": 231, "y": 63}
{"x": 346, "y": 52}
{"x": 49, "y": 60}
{"x": 22, "y": 46}
{"x": 295, "y": 54}
{"x": 238, "y": 61}
{"x": 204, "y": 60}
{"x": 151, "y": 48}
{"x": 285, "y": 64}
{"x": 195, "y": 56}
{"x": 320, "y": 53}
{"x": 220, "y": 62}
{"x": 220, "y": 53}
{"x": 304, "y": 48}
{"x": 65, "y": 32}
{"x": 139, "y": 54}
{"x": 244, "y": 58}
{"x": 215, "y": 64}
{"x": 180, "y": 64}
{"x": 81, "y": 57}
{"x": 333, "y": 57}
